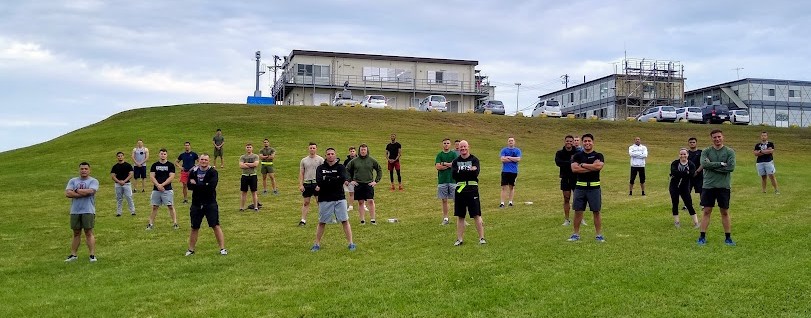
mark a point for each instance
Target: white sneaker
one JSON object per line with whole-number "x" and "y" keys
{"x": 566, "y": 223}
{"x": 482, "y": 241}
{"x": 223, "y": 252}
{"x": 93, "y": 258}
{"x": 445, "y": 222}
{"x": 189, "y": 252}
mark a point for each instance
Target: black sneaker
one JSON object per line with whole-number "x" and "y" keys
{"x": 362, "y": 222}
{"x": 189, "y": 252}
{"x": 302, "y": 223}
{"x": 93, "y": 258}
{"x": 71, "y": 258}
{"x": 241, "y": 210}
{"x": 250, "y": 207}
{"x": 118, "y": 215}
{"x": 185, "y": 201}
{"x": 259, "y": 205}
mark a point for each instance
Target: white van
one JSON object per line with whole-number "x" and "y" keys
{"x": 550, "y": 108}
{"x": 434, "y": 103}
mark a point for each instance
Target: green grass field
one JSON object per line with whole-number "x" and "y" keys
{"x": 646, "y": 268}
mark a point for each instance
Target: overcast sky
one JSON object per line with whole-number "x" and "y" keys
{"x": 67, "y": 64}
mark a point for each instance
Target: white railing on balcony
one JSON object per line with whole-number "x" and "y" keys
{"x": 377, "y": 82}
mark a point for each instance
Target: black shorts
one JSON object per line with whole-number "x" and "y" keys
{"x": 710, "y": 196}
{"x": 210, "y": 211}
{"x": 591, "y": 196}
{"x": 248, "y": 182}
{"x": 696, "y": 183}
{"x": 139, "y": 172}
{"x": 467, "y": 203}
{"x": 309, "y": 190}
{"x": 508, "y": 178}
{"x": 641, "y": 171}
{"x": 567, "y": 184}
{"x": 363, "y": 191}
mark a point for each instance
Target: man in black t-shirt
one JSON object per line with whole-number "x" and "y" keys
{"x": 465, "y": 171}
{"x": 203, "y": 180}
{"x": 393, "y": 152}
{"x": 162, "y": 173}
{"x": 765, "y": 161}
{"x": 694, "y": 156}
{"x": 563, "y": 159}
{"x": 586, "y": 165}
{"x": 122, "y": 173}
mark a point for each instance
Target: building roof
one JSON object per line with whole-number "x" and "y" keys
{"x": 758, "y": 80}
{"x": 381, "y": 57}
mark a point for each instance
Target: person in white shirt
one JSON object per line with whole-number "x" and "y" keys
{"x": 638, "y": 152}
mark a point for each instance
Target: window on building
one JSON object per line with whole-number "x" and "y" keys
{"x": 584, "y": 94}
{"x": 692, "y": 102}
{"x": 443, "y": 77}
{"x": 793, "y": 93}
{"x": 313, "y": 70}
{"x": 771, "y": 92}
{"x": 386, "y": 74}
{"x": 648, "y": 87}
{"x": 571, "y": 97}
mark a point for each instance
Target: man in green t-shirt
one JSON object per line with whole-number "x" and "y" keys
{"x": 248, "y": 163}
{"x": 267, "y": 154}
{"x": 446, "y": 186}
{"x": 218, "y": 141}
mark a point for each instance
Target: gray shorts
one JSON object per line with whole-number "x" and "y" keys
{"x": 163, "y": 198}
{"x": 591, "y": 196}
{"x": 445, "y": 190}
{"x": 328, "y": 209}
{"x": 765, "y": 168}
{"x": 349, "y": 188}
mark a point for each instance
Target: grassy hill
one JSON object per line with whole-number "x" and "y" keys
{"x": 646, "y": 268}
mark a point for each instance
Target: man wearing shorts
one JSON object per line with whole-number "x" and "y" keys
{"x": 563, "y": 159}
{"x": 510, "y": 156}
{"x": 186, "y": 160}
{"x": 162, "y": 173}
{"x": 306, "y": 180}
{"x": 638, "y": 153}
{"x": 364, "y": 173}
{"x": 718, "y": 161}
{"x": 446, "y": 187}
{"x": 122, "y": 173}
{"x": 268, "y": 154}
{"x": 218, "y": 142}
{"x": 203, "y": 184}
{"x": 348, "y": 187}
{"x": 248, "y": 163}
{"x": 330, "y": 179}
{"x": 586, "y": 165}
{"x": 393, "y": 153}
{"x": 765, "y": 162}
{"x": 465, "y": 171}
{"x": 82, "y": 192}
{"x": 140, "y": 155}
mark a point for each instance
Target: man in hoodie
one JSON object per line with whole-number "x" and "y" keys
{"x": 364, "y": 173}
{"x": 203, "y": 181}
{"x": 638, "y": 153}
{"x": 330, "y": 178}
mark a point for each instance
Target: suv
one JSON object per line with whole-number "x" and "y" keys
{"x": 495, "y": 106}
{"x": 691, "y": 114}
{"x": 434, "y": 102}
{"x": 550, "y": 108}
{"x": 714, "y": 114}
{"x": 374, "y": 101}
{"x": 661, "y": 113}
{"x": 739, "y": 117}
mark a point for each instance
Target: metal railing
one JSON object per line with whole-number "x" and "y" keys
{"x": 381, "y": 83}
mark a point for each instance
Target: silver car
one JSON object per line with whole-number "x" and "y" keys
{"x": 434, "y": 103}
{"x": 661, "y": 113}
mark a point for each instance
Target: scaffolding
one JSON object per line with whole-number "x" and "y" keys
{"x": 645, "y": 83}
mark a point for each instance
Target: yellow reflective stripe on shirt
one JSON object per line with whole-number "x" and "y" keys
{"x": 267, "y": 163}
{"x": 587, "y": 184}
{"x": 461, "y": 185}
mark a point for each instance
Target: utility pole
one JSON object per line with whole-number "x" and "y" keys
{"x": 738, "y": 71}
{"x": 517, "y": 90}
{"x": 565, "y": 78}
{"x": 257, "y": 92}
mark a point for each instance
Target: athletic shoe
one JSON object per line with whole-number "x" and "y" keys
{"x": 401, "y": 188}
{"x": 250, "y": 207}
{"x": 643, "y": 193}
{"x": 302, "y": 223}
{"x": 776, "y": 191}
{"x": 315, "y": 248}
{"x": 574, "y": 238}
{"x": 71, "y": 258}
{"x": 142, "y": 190}
{"x": 677, "y": 224}
{"x": 510, "y": 204}
{"x": 457, "y": 243}
{"x": 701, "y": 241}
{"x": 684, "y": 208}
{"x": 149, "y": 227}
{"x": 583, "y": 222}
{"x": 482, "y": 241}
{"x": 275, "y": 191}
{"x": 256, "y": 210}
{"x": 223, "y": 252}
{"x": 566, "y": 223}
{"x": 241, "y": 210}
{"x": 373, "y": 222}
{"x": 117, "y": 214}
{"x": 189, "y": 252}
{"x": 185, "y": 201}
{"x": 600, "y": 238}
{"x": 352, "y": 247}
{"x": 630, "y": 193}
{"x": 265, "y": 192}
{"x": 729, "y": 242}
{"x": 501, "y": 205}
{"x": 445, "y": 222}
{"x": 93, "y": 258}
{"x": 362, "y": 222}
{"x": 132, "y": 213}
{"x": 176, "y": 227}
{"x": 259, "y": 205}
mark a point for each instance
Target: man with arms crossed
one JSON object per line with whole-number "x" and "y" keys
{"x": 446, "y": 187}
{"x": 248, "y": 163}
{"x": 82, "y": 192}
{"x": 330, "y": 178}
{"x": 268, "y": 154}
{"x": 203, "y": 184}
{"x": 638, "y": 152}
{"x": 364, "y": 174}
{"x": 718, "y": 161}
{"x": 586, "y": 165}
{"x": 122, "y": 173}
{"x": 306, "y": 180}
{"x": 510, "y": 156}
{"x": 186, "y": 160}
{"x": 765, "y": 162}
{"x": 393, "y": 152}
{"x": 140, "y": 155}
{"x": 218, "y": 142}
{"x": 465, "y": 171}
{"x": 162, "y": 173}
{"x": 563, "y": 159}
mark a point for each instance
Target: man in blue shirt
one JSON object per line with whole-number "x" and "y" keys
{"x": 186, "y": 161}
{"x": 510, "y": 156}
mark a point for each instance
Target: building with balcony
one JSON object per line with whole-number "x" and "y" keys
{"x": 315, "y": 77}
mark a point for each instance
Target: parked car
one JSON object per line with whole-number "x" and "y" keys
{"x": 434, "y": 102}
{"x": 343, "y": 101}
{"x": 661, "y": 113}
{"x": 739, "y": 117}
{"x": 495, "y": 106}
{"x": 691, "y": 114}
{"x": 714, "y": 114}
{"x": 550, "y": 108}
{"x": 374, "y": 101}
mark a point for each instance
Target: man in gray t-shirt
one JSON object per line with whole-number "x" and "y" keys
{"x": 82, "y": 192}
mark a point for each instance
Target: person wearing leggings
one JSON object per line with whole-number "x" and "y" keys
{"x": 681, "y": 171}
